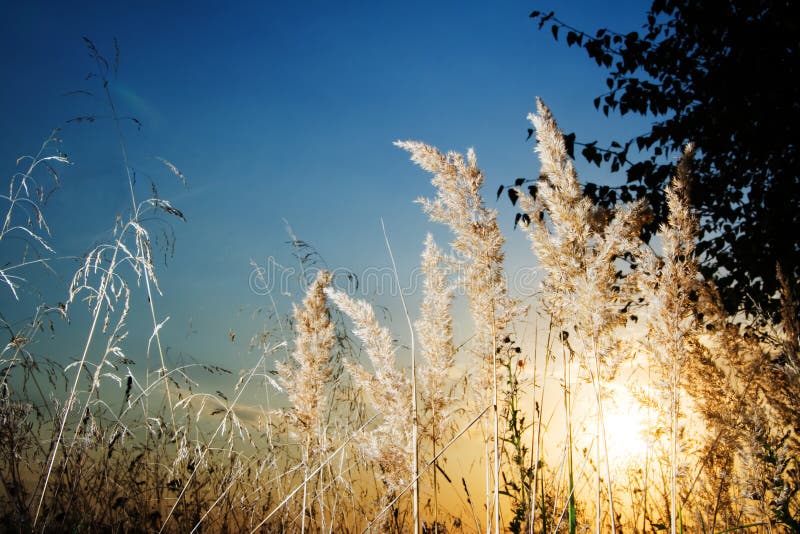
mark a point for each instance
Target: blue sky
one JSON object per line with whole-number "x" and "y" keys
{"x": 284, "y": 111}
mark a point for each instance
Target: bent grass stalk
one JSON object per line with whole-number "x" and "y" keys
{"x": 19, "y": 198}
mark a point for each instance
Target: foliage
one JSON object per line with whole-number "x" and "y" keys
{"x": 717, "y": 74}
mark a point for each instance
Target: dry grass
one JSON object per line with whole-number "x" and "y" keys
{"x": 98, "y": 446}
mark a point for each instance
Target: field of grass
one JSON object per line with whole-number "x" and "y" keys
{"x": 621, "y": 398}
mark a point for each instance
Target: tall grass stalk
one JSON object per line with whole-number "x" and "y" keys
{"x": 219, "y": 429}
{"x": 306, "y": 379}
{"x": 112, "y": 287}
{"x": 414, "y": 411}
{"x": 477, "y": 239}
{"x": 142, "y": 249}
{"x": 21, "y": 200}
{"x": 671, "y": 281}
{"x": 435, "y": 331}
{"x": 578, "y": 250}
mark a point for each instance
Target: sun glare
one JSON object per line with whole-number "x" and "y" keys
{"x": 626, "y": 426}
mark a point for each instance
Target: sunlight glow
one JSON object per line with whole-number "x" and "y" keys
{"x": 626, "y": 427}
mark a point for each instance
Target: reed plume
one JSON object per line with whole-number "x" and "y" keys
{"x": 669, "y": 281}
{"x": 306, "y": 377}
{"x": 477, "y": 239}
{"x": 578, "y": 244}
{"x": 389, "y": 389}
{"x": 435, "y": 329}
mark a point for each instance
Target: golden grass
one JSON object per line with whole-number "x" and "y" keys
{"x": 498, "y": 432}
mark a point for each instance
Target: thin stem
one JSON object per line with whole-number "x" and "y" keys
{"x": 674, "y": 448}
{"x": 602, "y": 436}
{"x": 313, "y": 473}
{"x": 573, "y": 520}
{"x": 141, "y": 255}
{"x": 422, "y": 472}
{"x": 74, "y": 389}
{"x": 538, "y": 434}
{"x": 305, "y": 491}
{"x": 414, "y": 421}
{"x": 496, "y": 430}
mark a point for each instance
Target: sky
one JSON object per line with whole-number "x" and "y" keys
{"x": 280, "y": 114}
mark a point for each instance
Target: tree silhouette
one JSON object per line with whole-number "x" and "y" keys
{"x": 720, "y": 74}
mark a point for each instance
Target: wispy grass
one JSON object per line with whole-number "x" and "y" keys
{"x": 357, "y": 433}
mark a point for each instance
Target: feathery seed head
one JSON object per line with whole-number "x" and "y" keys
{"x": 389, "y": 388}
{"x": 577, "y": 245}
{"x": 435, "y": 330}
{"x": 458, "y": 204}
{"x": 305, "y": 379}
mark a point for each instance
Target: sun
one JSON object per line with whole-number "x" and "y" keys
{"x": 626, "y": 427}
